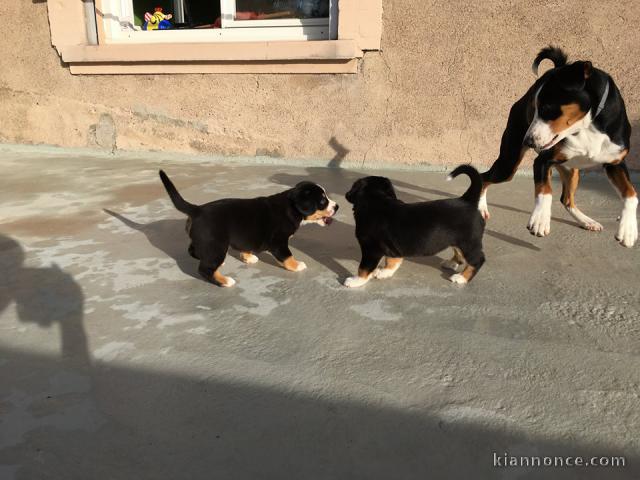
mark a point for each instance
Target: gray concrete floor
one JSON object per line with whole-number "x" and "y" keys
{"x": 118, "y": 362}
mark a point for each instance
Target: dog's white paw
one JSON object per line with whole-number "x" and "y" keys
{"x": 383, "y": 272}
{"x": 628, "y": 230}
{"x": 482, "y": 206}
{"x": 458, "y": 278}
{"x": 451, "y": 265}
{"x": 355, "y": 281}
{"x": 540, "y": 221}
{"x": 585, "y": 222}
{"x": 249, "y": 258}
{"x": 300, "y": 266}
{"x": 228, "y": 282}
{"x": 592, "y": 226}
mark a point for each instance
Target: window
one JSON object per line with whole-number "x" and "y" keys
{"x": 271, "y": 38}
{"x": 217, "y": 20}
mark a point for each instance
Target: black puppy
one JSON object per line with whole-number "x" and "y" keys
{"x": 386, "y": 226}
{"x": 250, "y": 225}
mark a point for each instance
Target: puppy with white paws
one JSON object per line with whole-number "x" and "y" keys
{"x": 388, "y": 227}
{"x": 250, "y": 225}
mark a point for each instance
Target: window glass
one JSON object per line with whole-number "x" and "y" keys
{"x": 273, "y": 9}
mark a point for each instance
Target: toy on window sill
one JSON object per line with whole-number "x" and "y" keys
{"x": 157, "y": 20}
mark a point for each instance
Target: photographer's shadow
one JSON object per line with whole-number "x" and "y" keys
{"x": 45, "y": 296}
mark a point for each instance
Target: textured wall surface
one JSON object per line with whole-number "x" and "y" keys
{"x": 438, "y": 93}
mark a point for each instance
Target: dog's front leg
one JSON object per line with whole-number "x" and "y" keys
{"x": 368, "y": 264}
{"x": 540, "y": 220}
{"x": 285, "y": 257}
{"x": 628, "y": 230}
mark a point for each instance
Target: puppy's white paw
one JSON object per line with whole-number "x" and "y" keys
{"x": 383, "y": 272}
{"x": 355, "y": 281}
{"x": 540, "y": 221}
{"x": 451, "y": 265}
{"x": 458, "y": 278}
{"x": 249, "y": 258}
{"x": 482, "y": 206}
{"x": 300, "y": 266}
{"x": 628, "y": 230}
{"x": 229, "y": 282}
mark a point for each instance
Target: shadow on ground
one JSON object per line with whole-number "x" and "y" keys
{"x": 123, "y": 423}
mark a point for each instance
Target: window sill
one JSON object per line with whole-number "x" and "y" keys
{"x": 330, "y": 56}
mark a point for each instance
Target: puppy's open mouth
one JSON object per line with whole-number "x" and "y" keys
{"x": 327, "y": 220}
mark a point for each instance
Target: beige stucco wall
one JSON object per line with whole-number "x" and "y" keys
{"x": 438, "y": 93}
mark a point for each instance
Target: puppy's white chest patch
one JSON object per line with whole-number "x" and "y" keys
{"x": 589, "y": 147}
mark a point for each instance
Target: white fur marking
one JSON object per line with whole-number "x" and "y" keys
{"x": 585, "y": 222}
{"x": 251, "y": 258}
{"x": 458, "y": 278}
{"x": 386, "y": 272}
{"x": 590, "y": 147}
{"x": 230, "y": 282}
{"x": 301, "y": 266}
{"x": 354, "y": 282}
{"x": 628, "y": 229}
{"x": 540, "y": 220}
{"x": 482, "y": 206}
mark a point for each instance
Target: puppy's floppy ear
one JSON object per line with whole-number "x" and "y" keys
{"x": 355, "y": 190}
{"x": 387, "y": 187}
{"x": 301, "y": 198}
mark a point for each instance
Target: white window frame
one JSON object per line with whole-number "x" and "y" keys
{"x": 119, "y": 27}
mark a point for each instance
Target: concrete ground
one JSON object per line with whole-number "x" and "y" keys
{"x": 118, "y": 362}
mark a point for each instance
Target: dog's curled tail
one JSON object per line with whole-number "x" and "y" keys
{"x": 555, "y": 54}
{"x": 472, "y": 195}
{"x": 180, "y": 203}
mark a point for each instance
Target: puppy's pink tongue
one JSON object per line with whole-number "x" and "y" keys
{"x": 327, "y": 220}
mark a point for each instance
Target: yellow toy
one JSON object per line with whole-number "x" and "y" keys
{"x": 157, "y": 20}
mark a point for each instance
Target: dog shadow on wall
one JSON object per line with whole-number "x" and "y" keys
{"x": 331, "y": 245}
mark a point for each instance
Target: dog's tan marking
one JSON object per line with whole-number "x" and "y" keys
{"x": 570, "y": 178}
{"x": 468, "y": 273}
{"x": 544, "y": 187}
{"x": 364, "y": 274}
{"x": 571, "y": 114}
{"x": 622, "y": 183}
{"x": 392, "y": 263}
{"x": 318, "y": 214}
{"x": 222, "y": 280}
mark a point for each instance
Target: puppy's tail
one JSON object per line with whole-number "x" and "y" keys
{"x": 555, "y": 54}
{"x": 472, "y": 195}
{"x": 180, "y": 203}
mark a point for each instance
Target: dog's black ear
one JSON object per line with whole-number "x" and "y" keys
{"x": 356, "y": 188}
{"x": 387, "y": 187}
{"x": 577, "y": 74}
{"x": 302, "y": 199}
